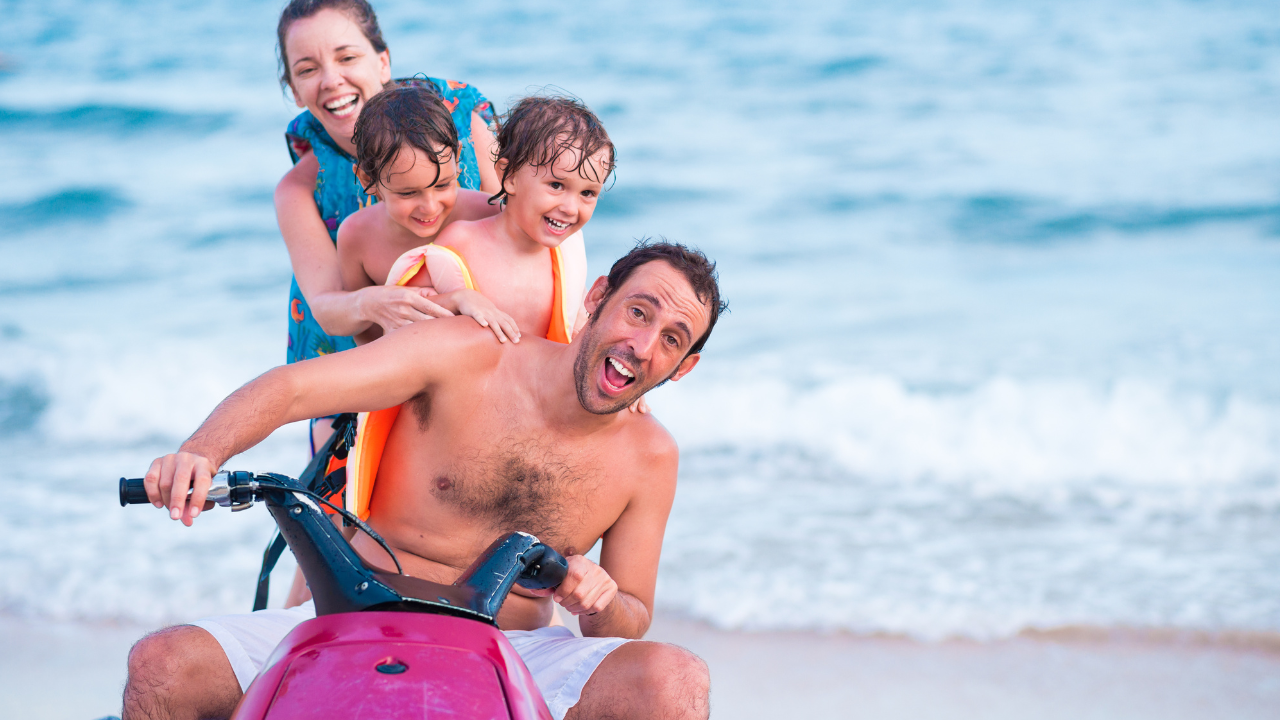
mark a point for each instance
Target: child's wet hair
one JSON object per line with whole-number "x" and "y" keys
{"x": 539, "y": 129}
{"x": 360, "y": 12}
{"x": 411, "y": 115}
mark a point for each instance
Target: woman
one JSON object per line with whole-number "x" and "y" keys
{"x": 333, "y": 59}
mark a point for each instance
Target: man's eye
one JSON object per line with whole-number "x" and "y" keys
{"x": 636, "y": 313}
{"x": 672, "y": 341}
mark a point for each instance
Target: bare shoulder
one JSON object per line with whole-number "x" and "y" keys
{"x": 457, "y": 341}
{"x": 473, "y": 205}
{"x": 655, "y": 456}
{"x": 458, "y": 233}
{"x": 359, "y": 226}
{"x": 302, "y": 176}
{"x": 355, "y": 237}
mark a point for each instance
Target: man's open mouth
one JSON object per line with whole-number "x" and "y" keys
{"x": 616, "y": 375}
{"x": 343, "y": 106}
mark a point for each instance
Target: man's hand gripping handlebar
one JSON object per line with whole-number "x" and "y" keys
{"x": 236, "y": 490}
{"x": 181, "y": 482}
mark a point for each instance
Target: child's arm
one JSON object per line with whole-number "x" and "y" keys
{"x": 482, "y": 310}
{"x": 351, "y": 246}
{"x": 436, "y": 269}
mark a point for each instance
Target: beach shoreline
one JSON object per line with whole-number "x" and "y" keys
{"x": 58, "y": 669}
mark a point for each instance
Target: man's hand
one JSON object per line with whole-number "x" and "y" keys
{"x": 587, "y": 588}
{"x": 169, "y": 479}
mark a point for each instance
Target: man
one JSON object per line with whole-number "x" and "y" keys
{"x": 493, "y": 438}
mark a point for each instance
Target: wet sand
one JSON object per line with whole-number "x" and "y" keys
{"x": 767, "y": 675}
{"x": 75, "y": 671}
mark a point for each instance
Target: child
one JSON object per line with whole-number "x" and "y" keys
{"x": 554, "y": 157}
{"x": 407, "y": 157}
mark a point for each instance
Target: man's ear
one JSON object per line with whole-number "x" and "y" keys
{"x": 686, "y": 366}
{"x": 595, "y": 295}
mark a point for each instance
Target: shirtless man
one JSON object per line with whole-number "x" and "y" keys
{"x": 494, "y": 438}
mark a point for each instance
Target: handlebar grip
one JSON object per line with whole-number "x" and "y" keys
{"x": 547, "y": 571}
{"x": 133, "y": 492}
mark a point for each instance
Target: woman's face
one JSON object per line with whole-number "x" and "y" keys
{"x": 333, "y": 71}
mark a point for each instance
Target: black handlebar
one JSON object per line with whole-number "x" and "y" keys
{"x": 341, "y": 581}
{"x": 132, "y": 492}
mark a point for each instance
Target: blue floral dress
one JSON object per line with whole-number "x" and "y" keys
{"x": 338, "y": 194}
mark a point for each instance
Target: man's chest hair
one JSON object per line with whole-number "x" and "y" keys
{"x": 523, "y": 485}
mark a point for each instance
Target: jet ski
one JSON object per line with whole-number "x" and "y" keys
{"x": 385, "y": 644}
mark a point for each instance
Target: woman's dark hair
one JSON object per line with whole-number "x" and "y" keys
{"x": 539, "y": 129}
{"x": 403, "y": 115}
{"x": 360, "y": 12}
{"x": 690, "y": 262}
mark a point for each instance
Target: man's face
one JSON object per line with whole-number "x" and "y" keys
{"x": 638, "y": 339}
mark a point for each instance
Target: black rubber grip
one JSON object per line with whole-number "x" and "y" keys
{"x": 554, "y": 568}
{"x": 547, "y": 571}
{"x": 132, "y": 492}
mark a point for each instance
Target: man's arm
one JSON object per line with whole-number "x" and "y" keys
{"x": 629, "y": 555}
{"x": 381, "y": 374}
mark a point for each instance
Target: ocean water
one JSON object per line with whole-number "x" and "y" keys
{"x": 1005, "y": 286}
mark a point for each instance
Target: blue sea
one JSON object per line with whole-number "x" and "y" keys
{"x": 1005, "y": 281}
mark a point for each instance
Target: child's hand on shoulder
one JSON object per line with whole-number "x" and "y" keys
{"x": 639, "y": 406}
{"x": 484, "y": 312}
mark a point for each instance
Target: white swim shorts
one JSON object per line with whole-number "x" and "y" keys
{"x": 560, "y": 662}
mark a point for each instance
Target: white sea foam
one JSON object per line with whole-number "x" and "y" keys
{"x": 862, "y": 505}
{"x": 1003, "y": 431}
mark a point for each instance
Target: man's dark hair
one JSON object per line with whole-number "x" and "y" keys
{"x": 696, "y": 268}
{"x": 360, "y": 12}
{"x": 400, "y": 116}
{"x": 539, "y": 129}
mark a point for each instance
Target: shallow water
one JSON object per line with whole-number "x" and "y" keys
{"x": 1005, "y": 285}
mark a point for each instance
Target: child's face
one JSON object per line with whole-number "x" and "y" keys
{"x": 414, "y": 197}
{"x": 551, "y": 203}
{"x": 333, "y": 70}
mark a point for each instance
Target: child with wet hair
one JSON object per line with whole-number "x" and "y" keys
{"x": 554, "y": 157}
{"x": 407, "y": 153}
